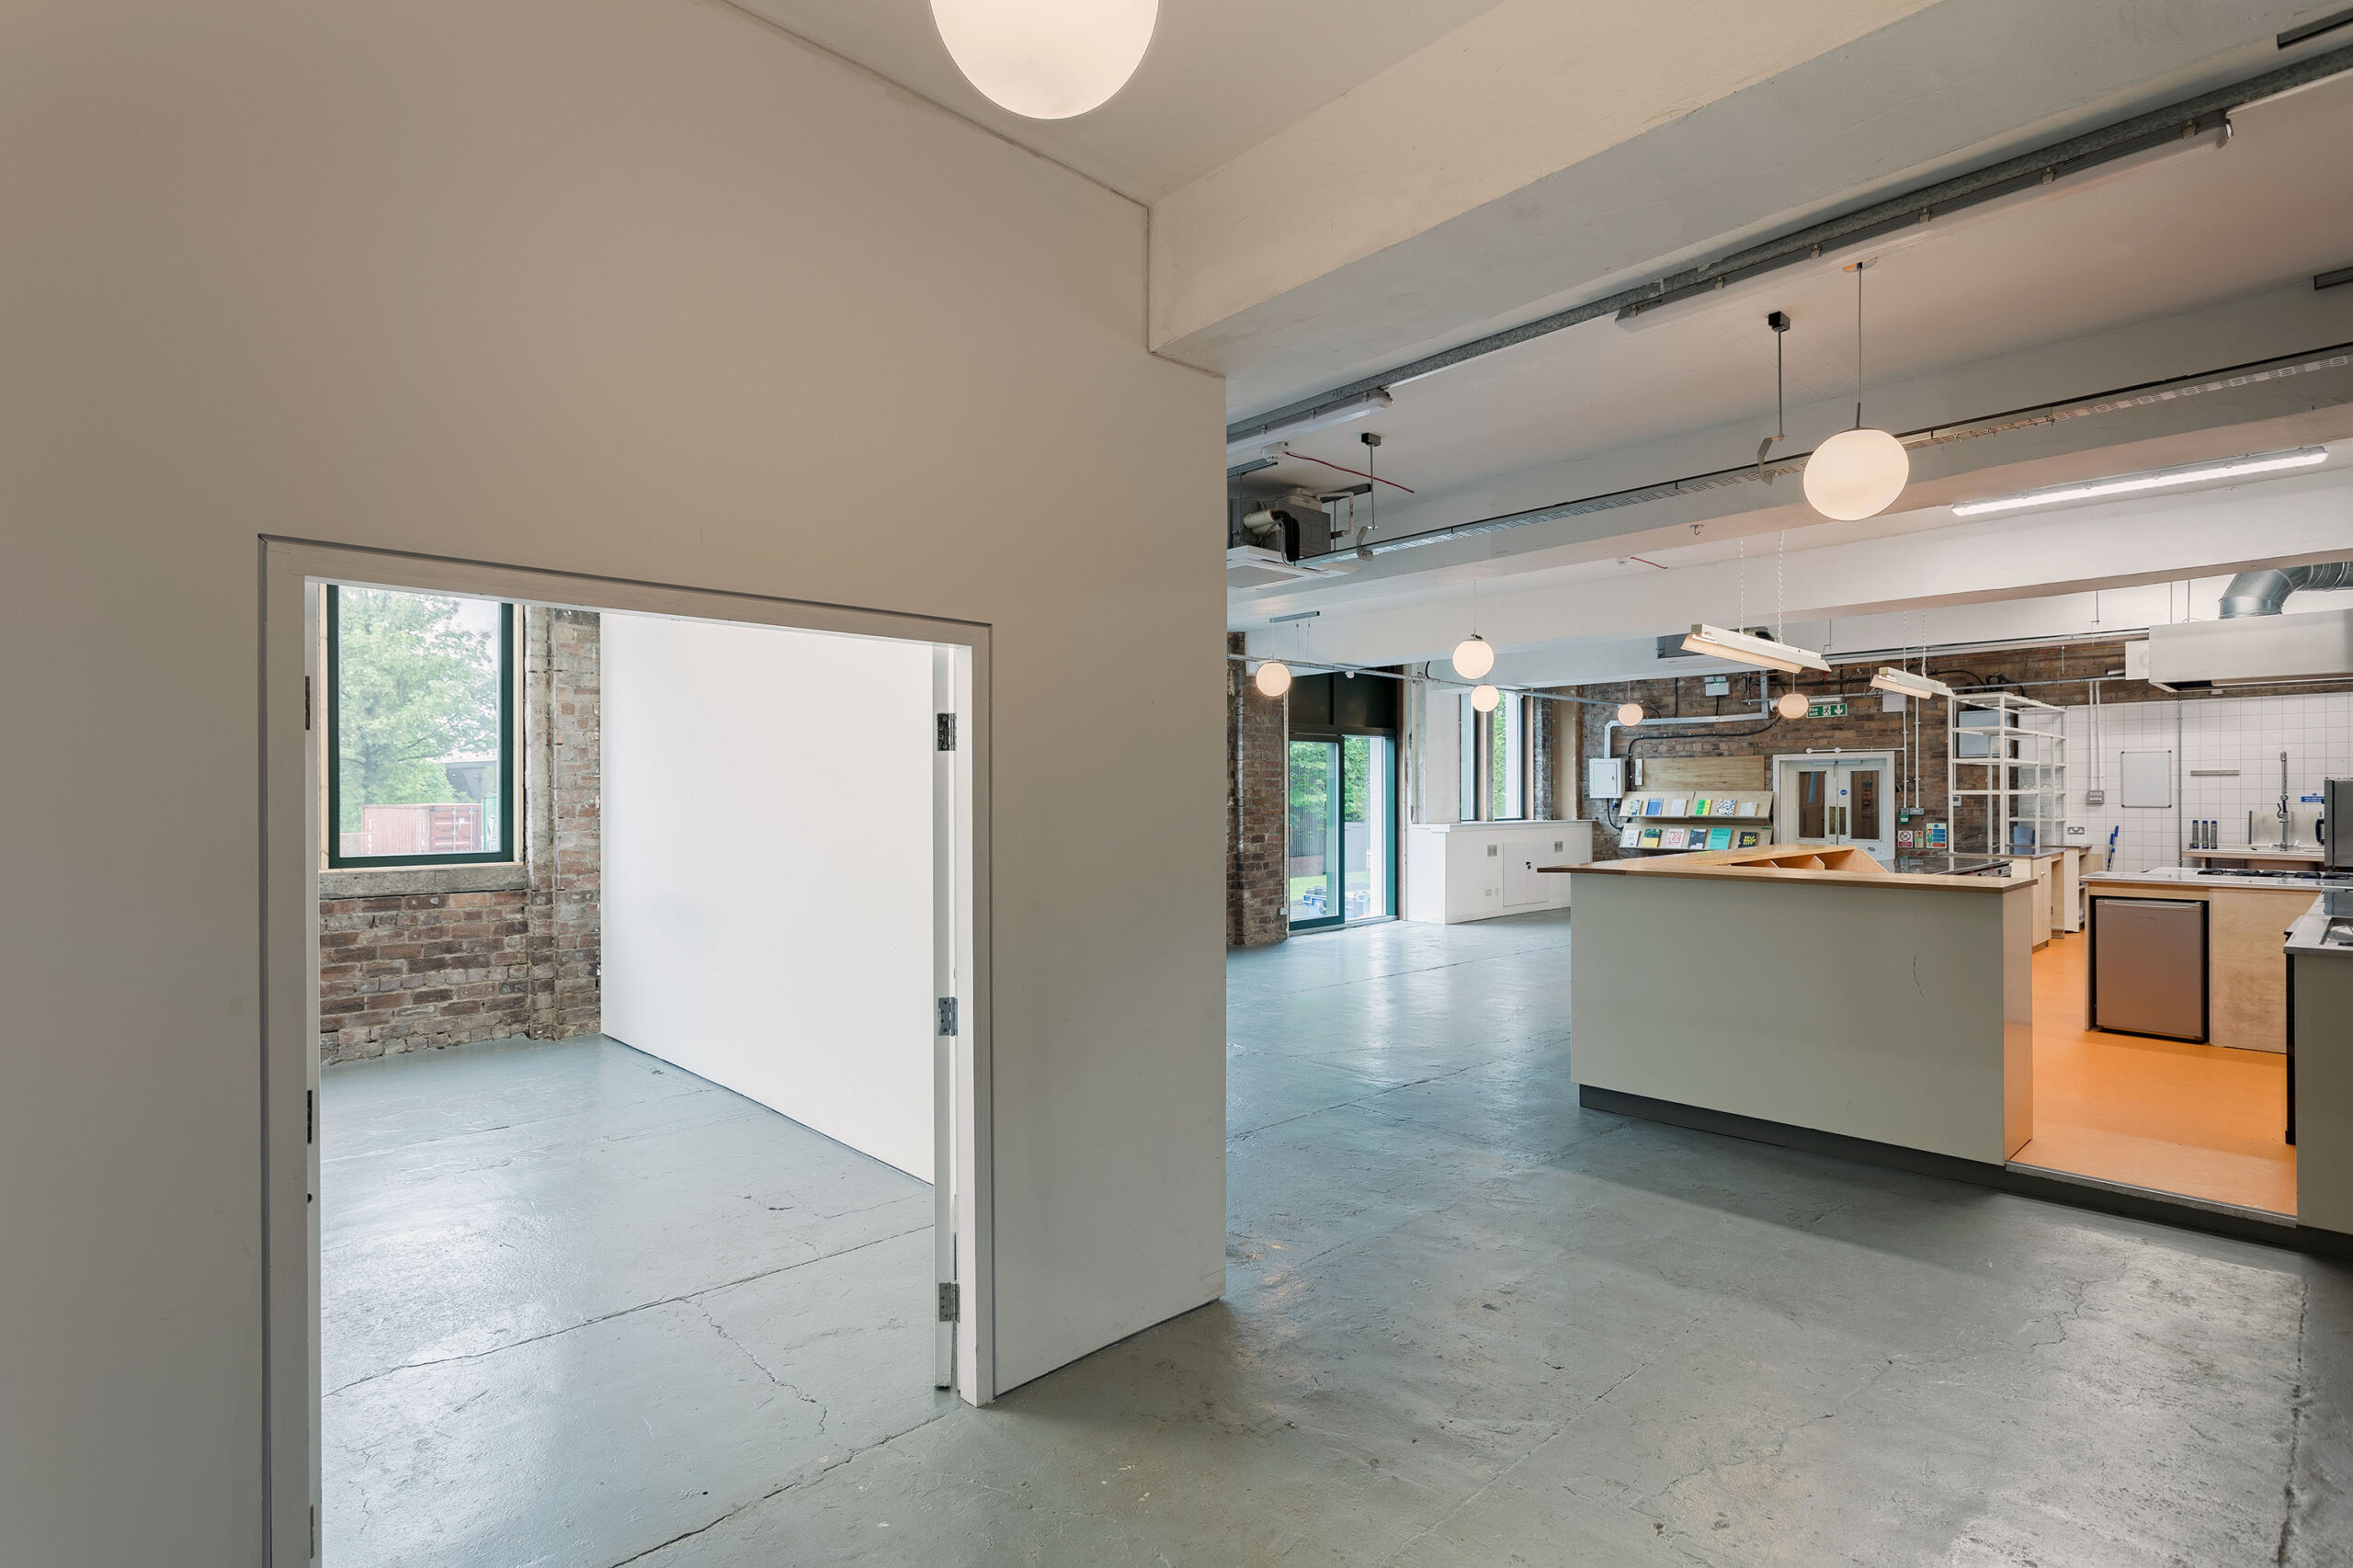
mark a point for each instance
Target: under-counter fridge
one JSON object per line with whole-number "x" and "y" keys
{"x": 2149, "y": 966}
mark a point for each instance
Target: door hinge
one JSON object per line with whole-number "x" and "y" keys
{"x": 948, "y": 1015}
{"x": 314, "y": 1532}
{"x": 951, "y": 1304}
{"x": 309, "y": 1116}
{"x": 947, "y": 731}
{"x": 306, "y": 702}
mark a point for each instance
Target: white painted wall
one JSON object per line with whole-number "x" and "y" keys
{"x": 647, "y": 291}
{"x": 767, "y": 838}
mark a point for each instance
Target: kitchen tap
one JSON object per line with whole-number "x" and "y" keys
{"x": 2283, "y": 801}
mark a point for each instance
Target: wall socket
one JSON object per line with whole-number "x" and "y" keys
{"x": 2095, "y": 797}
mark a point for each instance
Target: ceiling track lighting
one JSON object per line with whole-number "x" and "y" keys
{"x": 1889, "y": 678}
{"x": 1757, "y": 652}
{"x": 1856, "y": 474}
{"x": 1047, "y": 58}
{"x": 2148, "y": 479}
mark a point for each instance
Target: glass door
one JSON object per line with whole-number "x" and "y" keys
{"x": 1343, "y": 850}
{"x": 1838, "y": 799}
{"x": 1314, "y": 862}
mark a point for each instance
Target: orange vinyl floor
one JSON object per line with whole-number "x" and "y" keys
{"x": 2199, "y": 1120}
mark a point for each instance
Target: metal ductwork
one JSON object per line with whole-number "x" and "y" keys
{"x": 2262, "y": 593}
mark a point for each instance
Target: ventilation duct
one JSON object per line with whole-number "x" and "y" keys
{"x": 2262, "y": 593}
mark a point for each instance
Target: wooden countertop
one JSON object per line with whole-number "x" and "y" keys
{"x": 1839, "y": 865}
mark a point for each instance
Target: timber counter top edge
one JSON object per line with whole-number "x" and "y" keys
{"x": 1767, "y": 863}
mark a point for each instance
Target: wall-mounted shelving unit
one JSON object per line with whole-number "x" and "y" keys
{"x": 2006, "y": 774}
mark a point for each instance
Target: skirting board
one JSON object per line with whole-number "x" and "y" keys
{"x": 2134, "y": 1203}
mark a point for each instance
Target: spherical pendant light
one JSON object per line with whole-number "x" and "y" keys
{"x": 1474, "y": 657}
{"x": 1273, "y": 678}
{"x": 1047, "y": 58}
{"x": 1794, "y": 704}
{"x": 1630, "y": 713}
{"x": 1485, "y": 697}
{"x": 1856, "y": 474}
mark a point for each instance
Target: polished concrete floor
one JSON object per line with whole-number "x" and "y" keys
{"x": 1467, "y": 1322}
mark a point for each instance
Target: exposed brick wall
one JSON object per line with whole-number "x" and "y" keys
{"x": 420, "y": 970}
{"x": 563, "y": 802}
{"x": 2056, "y": 674}
{"x": 437, "y": 956}
{"x": 1257, "y": 818}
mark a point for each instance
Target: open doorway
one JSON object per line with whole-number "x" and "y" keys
{"x": 703, "y": 1222}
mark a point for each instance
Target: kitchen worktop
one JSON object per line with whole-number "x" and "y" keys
{"x": 2200, "y": 877}
{"x": 2311, "y": 935}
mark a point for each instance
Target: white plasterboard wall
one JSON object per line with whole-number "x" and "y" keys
{"x": 767, "y": 846}
{"x": 651, "y": 292}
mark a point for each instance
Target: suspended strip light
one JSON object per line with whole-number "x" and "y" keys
{"x": 2151, "y": 479}
{"x": 1760, "y": 652}
{"x": 1889, "y": 679}
{"x": 1047, "y": 58}
{"x": 1859, "y": 472}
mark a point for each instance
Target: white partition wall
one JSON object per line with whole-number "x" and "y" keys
{"x": 767, "y": 883}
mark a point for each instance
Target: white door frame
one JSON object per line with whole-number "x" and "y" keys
{"x": 292, "y": 683}
{"x": 1785, "y": 807}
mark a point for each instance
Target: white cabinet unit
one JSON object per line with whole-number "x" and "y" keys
{"x": 1476, "y": 870}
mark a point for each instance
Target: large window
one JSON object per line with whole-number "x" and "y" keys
{"x": 420, "y": 729}
{"x": 1495, "y": 752}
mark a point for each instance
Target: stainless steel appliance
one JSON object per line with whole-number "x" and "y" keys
{"x": 2337, "y": 807}
{"x": 2149, "y": 966}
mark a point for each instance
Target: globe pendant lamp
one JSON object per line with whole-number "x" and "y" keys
{"x": 1630, "y": 713}
{"x": 1047, "y": 58}
{"x": 1273, "y": 678}
{"x": 1485, "y": 698}
{"x": 1794, "y": 704}
{"x": 1474, "y": 657}
{"x": 1856, "y": 474}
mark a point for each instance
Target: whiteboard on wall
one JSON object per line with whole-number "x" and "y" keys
{"x": 2144, "y": 779}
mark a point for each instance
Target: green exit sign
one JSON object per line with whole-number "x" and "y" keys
{"x": 1827, "y": 710}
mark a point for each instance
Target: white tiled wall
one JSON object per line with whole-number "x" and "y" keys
{"x": 2245, "y": 733}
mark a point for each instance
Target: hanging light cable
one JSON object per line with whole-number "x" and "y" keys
{"x": 1859, "y": 472}
{"x": 1475, "y": 655}
{"x": 1791, "y": 704}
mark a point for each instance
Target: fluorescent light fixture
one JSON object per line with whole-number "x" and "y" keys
{"x": 1251, "y": 438}
{"x": 1762, "y": 653}
{"x": 1889, "y": 678}
{"x": 2151, "y": 479}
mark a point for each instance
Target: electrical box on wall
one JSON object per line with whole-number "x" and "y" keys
{"x": 1605, "y": 777}
{"x": 1716, "y": 685}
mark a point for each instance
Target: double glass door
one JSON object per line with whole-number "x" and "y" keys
{"x": 1838, "y": 799}
{"x": 1343, "y": 830}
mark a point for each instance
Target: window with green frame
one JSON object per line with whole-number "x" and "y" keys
{"x": 420, "y": 729}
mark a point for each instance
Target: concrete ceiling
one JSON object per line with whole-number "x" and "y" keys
{"x": 2268, "y": 210}
{"x": 1221, "y": 76}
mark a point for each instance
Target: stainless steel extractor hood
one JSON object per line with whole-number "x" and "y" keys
{"x": 2256, "y": 650}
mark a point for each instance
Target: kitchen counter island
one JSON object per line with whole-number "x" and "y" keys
{"x": 2247, "y": 976}
{"x": 2319, "y": 952}
{"x": 1809, "y": 987}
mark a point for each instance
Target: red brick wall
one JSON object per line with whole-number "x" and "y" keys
{"x": 1257, "y": 817}
{"x": 446, "y": 961}
{"x": 563, "y": 808}
{"x": 413, "y": 971}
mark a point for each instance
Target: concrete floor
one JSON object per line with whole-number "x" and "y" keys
{"x": 1467, "y": 1322}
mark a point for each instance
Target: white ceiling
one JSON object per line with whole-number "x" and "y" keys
{"x": 2271, "y": 209}
{"x": 1220, "y": 75}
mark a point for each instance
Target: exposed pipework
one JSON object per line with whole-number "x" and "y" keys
{"x": 2262, "y": 593}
